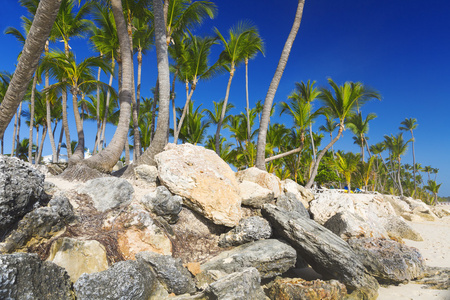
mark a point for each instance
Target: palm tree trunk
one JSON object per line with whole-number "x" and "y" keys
{"x": 30, "y": 138}
{"x": 66, "y": 123}
{"x": 34, "y": 45}
{"x": 14, "y": 133}
{"x": 97, "y": 136}
{"x": 247, "y": 101}
{"x": 155, "y": 100}
{"x": 59, "y": 143}
{"x": 400, "y": 178}
{"x": 127, "y": 153}
{"x": 261, "y": 146}
{"x": 18, "y": 126}
{"x": 41, "y": 146}
{"x": 79, "y": 150}
{"x": 312, "y": 142}
{"x": 172, "y": 97}
{"x": 224, "y": 108}
{"x": 48, "y": 114}
{"x": 183, "y": 115}
{"x": 108, "y": 98}
{"x": 37, "y": 143}
{"x": 414, "y": 164}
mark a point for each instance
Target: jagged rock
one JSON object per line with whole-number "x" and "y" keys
{"x": 50, "y": 188}
{"x": 327, "y": 205}
{"x": 249, "y": 229}
{"x": 203, "y": 179}
{"x": 78, "y": 256}
{"x": 436, "y": 278}
{"x": 397, "y": 227}
{"x": 108, "y": 192}
{"x": 56, "y": 168}
{"x": 412, "y": 217}
{"x": 440, "y": 212}
{"x": 124, "y": 280}
{"x": 400, "y": 206}
{"x": 162, "y": 203}
{"x": 146, "y": 173}
{"x": 301, "y": 193}
{"x": 349, "y": 225}
{"x": 264, "y": 179}
{"x": 40, "y": 225}
{"x": 239, "y": 285}
{"x": 254, "y": 195}
{"x": 170, "y": 272}
{"x": 425, "y": 213}
{"x": 413, "y": 203}
{"x": 296, "y": 288}
{"x": 21, "y": 186}
{"x": 327, "y": 253}
{"x": 271, "y": 258}
{"x": 290, "y": 202}
{"x": 25, "y": 276}
{"x": 389, "y": 261}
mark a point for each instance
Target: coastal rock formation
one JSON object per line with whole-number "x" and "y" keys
{"x": 162, "y": 203}
{"x": 264, "y": 179}
{"x": 400, "y": 206}
{"x": 108, "y": 192}
{"x": 290, "y": 202}
{"x": 327, "y": 205}
{"x": 397, "y": 227}
{"x": 389, "y": 261}
{"x": 25, "y": 276}
{"x": 440, "y": 212}
{"x": 254, "y": 195}
{"x": 21, "y": 186}
{"x": 249, "y": 229}
{"x": 203, "y": 179}
{"x": 349, "y": 225}
{"x": 147, "y": 174}
{"x": 297, "y": 288}
{"x": 301, "y": 193}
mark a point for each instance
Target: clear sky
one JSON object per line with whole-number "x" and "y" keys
{"x": 400, "y": 48}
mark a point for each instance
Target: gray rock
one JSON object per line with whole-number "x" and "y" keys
{"x": 297, "y": 288}
{"x": 289, "y": 202}
{"x": 301, "y": 193}
{"x": 21, "y": 186}
{"x": 349, "y": 225}
{"x": 389, "y": 261}
{"x": 397, "y": 227}
{"x": 436, "y": 278}
{"x": 146, "y": 173}
{"x": 162, "y": 203}
{"x": 327, "y": 253}
{"x": 254, "y": 195}
{"x": 249, "y": 229}
{"x": 169, "y": 271}
{"x": 25, "y": 276}
{"x": 124, "y": 280}
{"x": 270, "y": 257}
{"x": 108, "y": 192}
{"x": 241, "y": 285}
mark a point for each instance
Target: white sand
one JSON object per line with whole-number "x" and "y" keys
{"x": 435, "y": 250}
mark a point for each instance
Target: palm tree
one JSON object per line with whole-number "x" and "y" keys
{"x": 214, "y": 115}
{"x": 398, "y": 147}
{"x": 329, "y": 127}
{"x": 434, "y": 188}
{"x": 360, "y": 127}
{"x": 339, "y": 106}
{"x": 193, "y": 131}
{"x": 264, "y": 124}
{"x": 409, "y": 125}
{"x": 346, "y": 164}
{"x": 234, "y": 53}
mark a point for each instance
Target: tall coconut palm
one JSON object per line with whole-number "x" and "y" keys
{"x": 346, "y": 164}
{"x": 193, "y": 131}
{"x": 409, "y": 124}
{"x": 264, "y": 124}
{"x": 360, "y": 127}
{"x": 398, "y": 147}
{"x": 434, "y": 188}
{"x": 339, "y": 104}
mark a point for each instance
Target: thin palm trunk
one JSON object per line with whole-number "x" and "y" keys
{"x": 172, "y": 97}
{"x": 224, "y": 108}
{"x": 41, "y": 146}
{"x": 48, "y": 113}
{"x": 400, "y": 178}
{"x": 97, "y": 136}
{"x": 261, "y": 146}
{"x": 293, "y": 151}
{"x": 18, "y": 125}
{"x": 183, "y": 115}
{"x": 108, "y": 99}
{"x": 30, "y": 138}
{"x": 312, "y": 142}
{"x": 59, "y": 143}
{"x": 414, "y": 163}
{"x": 37, "y": 143}
{"x": 79, "y": 150}
{"x": 14, "y": 133}
{"x": 66, "y": 123}
{"x": 155, "y": 100}
{"x": 127, "y": 153}
{"x": 247, "y": 101}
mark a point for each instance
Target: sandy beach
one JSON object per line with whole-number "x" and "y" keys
{"x": 435, "y": 249}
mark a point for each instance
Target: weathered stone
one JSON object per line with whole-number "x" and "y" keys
{"x": 440, "y": 212}
{"x": 397, "y": 227}
{"x": 264, "y": 179}
{"x": 78, "y": 256}
{"x": 21, "y": 186}
{"x": 170, "y": 272}
{"x": 389, "y": 261}
{"x": 271, "y": 258}
{"x": 162, "y": 203}
{"x": 296, "y": 288}
{"x": 124, "y": 280}
{"x": 254, "y": 195}
{"x": 146, "y": 173}
{"x": 239, "y": 285}
{"x": 327, "y": 253}
{"x": 301, "y": 193}
{"x": 436, "y": 278}
{"x": 425, "y": 213}
{"x": 249, "y": 229}
{"x": 412, "y": 217}
{"x": 327, "y": 205}
{"x": 399, "y": 205}
{"x": 414, "y": 203}
{"x": 203, "y": 179}
{"x": 349, "y": 225}
{"x": 108, "y": 192}
{"x": 25, "y": 276}
{"x": 290, "y": 202}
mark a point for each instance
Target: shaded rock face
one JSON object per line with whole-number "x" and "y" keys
{"x": 301, "y": 193}
{"x": 349, "y": 225}
{"x": 203, "y": 179}
{"x": 290, "y": 202}
{"x": 25, "y": 276}
{"x": 170, "y": 272}
{"x": 327, "y": 253}
{"x": 389, "y": 261}
{"x": 254, "y": 195}
{"x": 162, "y": 203}
{"x": 21, "y": 186}
{"x": 239, "y": 285}
{"x": 397, "y": 227}
{"x": 270, "y": 257}
{"x": 296, "y": 288}
{"x": 264, "y": 179}
{"x": 108, "y": 192}
{"x": 124, "y": 280}
{"x": 78, "y": 256}
{"x": 249, "y": 229}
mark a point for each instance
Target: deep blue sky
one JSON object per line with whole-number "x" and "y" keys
{"x": 400, "y": 48}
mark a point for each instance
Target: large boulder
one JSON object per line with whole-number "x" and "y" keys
{"x": 162, "y": 203}
{"x": 124, "y": 280}
{"x": 301, "y": 193}
{"x": 290, "y": 202}
{"x": 400, "y": 206}
{"x": 206, "y": 182}
{"x": 21, "y": 186}
{"x": 264, "y": 179}
{"x": 297, "y": 288}
{"x": 271, "y": 258}
{"x": 147, "y": 174}
{"x": 25, "y": 276}
{"x": 108, "y": 192}
{"x": 389, "y": 261}
{"x": 397, "y": 227}
{"x": 254, "y": 195}
{"x": 327, "y": 205}
{"x": 78, "y": 256}
{"x": 349, "y": 225}
{"x": 249, "y": 229}
{"x": 170, "y": 272}
{"x": 327, "y": 253}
